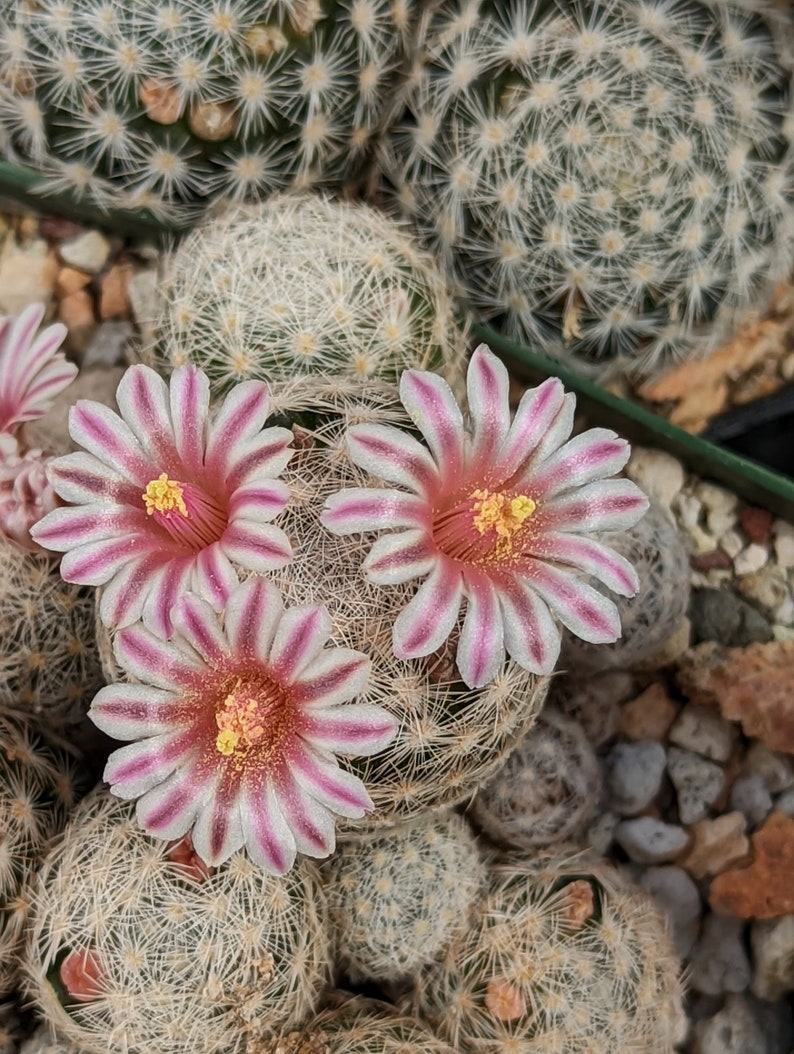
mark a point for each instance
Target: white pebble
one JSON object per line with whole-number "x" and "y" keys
{"x": 751, "y": 559}
{"x": 657, "y": 473}
{"x": 87, "y": 252}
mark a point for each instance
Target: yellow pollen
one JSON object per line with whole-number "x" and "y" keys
{"x": 226, "y": 742}
{"x": 497, "y": 512}
{"x": 238, "y": 721}
{"x": 164, "y": 495}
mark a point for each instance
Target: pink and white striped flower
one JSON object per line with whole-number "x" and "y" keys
{"x": 238, "y": 721}
{"x": 25, "y": 492}
{"x": 497, "y": 514}
{"x": 32, "y": 371}
{"x": 168, "y": 498}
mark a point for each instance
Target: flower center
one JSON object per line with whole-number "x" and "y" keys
{"x": 186, "y": 512}
{"x": 249, "y": 714}
{"x": 483, "y": 527}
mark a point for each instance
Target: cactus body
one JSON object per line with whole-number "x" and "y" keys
{"x": 304, "y": 285}
{"x": 397, "y": 900}
{"x": 179, "y": 958}
{"x": 611, "y": 182}
{"x": 169, "y": 105}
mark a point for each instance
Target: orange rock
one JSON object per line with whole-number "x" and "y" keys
{"x": 753, "y": 685}
{"x": 113, "y": 299}
{"x": 649, "y": 716}
{"x": 764, "y": 889}
{"x": 76, "y": 311}
{"x": 716, "y": 845}
{"x": 70, "y": 280}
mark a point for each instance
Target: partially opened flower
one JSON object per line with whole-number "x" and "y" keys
{"x": 25, "y": 492}
{"x": 497, "y": 514}
{"x": 168, "y": 498}
{"x": 32, "y": 372}
{"x": 237, "y": 727}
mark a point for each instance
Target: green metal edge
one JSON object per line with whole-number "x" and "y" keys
{"x": 26, "y": 186}
{"x": 750, "y": 480}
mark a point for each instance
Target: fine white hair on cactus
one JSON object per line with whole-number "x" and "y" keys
{"x": 573, "y": 166}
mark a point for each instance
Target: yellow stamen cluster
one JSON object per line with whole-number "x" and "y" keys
{"x": 164, "y": 495}
{"x": 497, "y": 512}
{"x": 239, "y": 722}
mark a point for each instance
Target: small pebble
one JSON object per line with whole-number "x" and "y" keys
{"x": 716, "y": 845}
{"x": 649, "y": 715}
{"x": 657, "y": 473}
{"x": 601, "y": 833}
{"x": 768, "y": 589}
{"x": 634, "y": 774}
{"x": 785, "y": 802}
{"x": 750, "y": 797}
{"x": 733, "y": 1030}
{"x": 702, "y": 730}
{"x": 756, "y": 523}
{"x": 776, "y": 769}
{"x": 698, "y": 783}
{"x": 732, "y": 543}
{"x": 87, "y": 252}
{"x": 677, "y": 898}
{"x": 772, "y": 942}
{"x": 107, "y": 345}
{"x": 689, "y": 509}
{"x": 719, "y": 962}
{"x": 783, "y": 542}
{"x": 722, "y": 616}
{"x": 751, "y": 559}
{"x": 647, "y": 840}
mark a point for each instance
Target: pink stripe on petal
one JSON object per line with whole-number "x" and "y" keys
{"x": 143, "y": 402}
{"x": 607, "y": 505}
{"x": 258, "y": 500}
{"x": 162, "y": 591}
{"x": 82, "y": 478}
{"x": 240, "y": 417}
{"x": 218, "y": 830}
{"x": 359, "y": 509}
{"x": 136, "y": 768}
{"x": 583, "y": 610}
{"x": 169, "y": 809}
{"x": 258, "y": 547}
{"x": 64, "y": 529}
{"x": 252, "y": 614}
{"x": 268, "y": 839}
{"x": 133, "y": 711}
{"x": 196, "y": 622}
{"x": 108, "y": 438}
{"x": 213, "y": 576}
{"x": 397, "y": 558}
{"x": 336, "y": 675}
{"x": 153, "y": 661}
{"x": 430, "y": 616}
{"x": 481, "y": 653}
{"x": 311, "y": 823}
{"x": 357, "y": 729}
{"x": 487, "y": 386}
{"x": 536, "y": 412}
{"x": 591, "y": 557}
{"x": 393, "y": 455}
{"x": 122, "y": 598}
{"x": 189, "y": 397}
{"x": 300, "y": 637}
{"x": 532, "y": 637}
{"x": 95, "y": 563}
{"x": 587, "y": 457}
{"x": 322, "y": 777}
{"x": 433, "y": 409}
{"x": 264, "y": 456}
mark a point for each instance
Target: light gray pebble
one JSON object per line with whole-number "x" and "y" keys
{"x": 733, "y": 1030}
{"x": 87, "y": 252}
{"x": 750, "y": 796}
{"x": 634, "y": 774}
{"x": 702, "y": 730}
{"x": 776, "y": 770}
{"x": 721, "y": 615}
{"x": 647, "y": 840}
{"x": 767, "y": 589}
{"x": 108, "y": 345}
{"x": 772, "y": 941}
{"x": 601, "y": 832}
{"x": 785, "y": 802}
{"x": 719, "y": 962}
{"x": 698, "y": 783}
{"x": 677, "y": 898}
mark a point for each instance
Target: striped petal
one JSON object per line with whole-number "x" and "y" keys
{"x": 356, "y": 728}
{"x": 107, "y": 437}
{"x": 154, "y": 661}
{"x": 606, "y": 505}
{"x": 558, "y": 431}
{"x": 214, "y": 578}
{"x": 393, "y": 455}
{"x": 252, "y": 614}
{"x": 144, "y": 404}
{"x": 63, "y": 529}
{"x": 583, "y": 610}
{"x": 339, "y": 791}
{"x": 163, "y": 588}
{"x": 218, "y": 830}
{"x": 299, "y": 640}
{"x": 593, "y": 558}
{"x": 134, "y": 769}
{"x": 532, "y": 637}
{"x": 189, "y": 398}
{"x": 430, "y": 616}
{"x": 82, "y": 478}
{"x": 258, "y": 500}
{"x": 369, "y": 509}
{"x": 196, "y": 622}
{"x": 258, "y": 547}
{"x": 266, "y": 455}
{"x": 122, "y": 598}
{"x": 170, "y": 808}
{"x": 311, "y": 823}
{"x": 481, "y": 652}
{"x": 268, "y": 838}
{"x": 587, "y": 457}
{"x": 133, "y": 711}
{"x": 336, "y": 675}
{"x": 433, "y": 409}
{"x": 488, "y": 390}
{"x": 96, "y": 563}
{"x": 536, "y": 411}
{"x": 400, "y": 557}
{"x": 241, "y": 417}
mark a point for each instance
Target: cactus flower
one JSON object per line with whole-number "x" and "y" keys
{"x": 498, "y": 514}
{"x": 237, "y": 726}
{"x": 168, "y": 498}
{"x": 32, "y": 371}
{"x": 25, "y": 492}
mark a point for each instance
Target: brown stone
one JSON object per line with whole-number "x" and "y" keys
{"x": 756, "y": 523}
{"x": 764, "y": 889}
{"x": 717, "y": 559}
{"x": 113, "y": 299}
{"x": 26, "y": 274}
{"x": 752, "y": 685}
{"x": 76, "y": 311}
{"x": 716, "y": 845}
{"x": 649, "y": 715}
{"x": 69, "y": 281}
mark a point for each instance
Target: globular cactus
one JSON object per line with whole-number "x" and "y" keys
{"x": 613, "y": 182}
{"x": 169, "y": 105}
{"x": 39, "y": 784}
{"x": 303, "y": 285}
{"x": 134, "y": 945}
{"x": 42, "y": 1042}
{"x": 397, "y": 900}
{"x": 566, "y": 957}
{"x": 357, "y": 1026}
{"x": 547, "y": 789}
{"x": 656, "y": 549}
{"x": 451, "y": 738}
{"x": 49, "y": 662}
